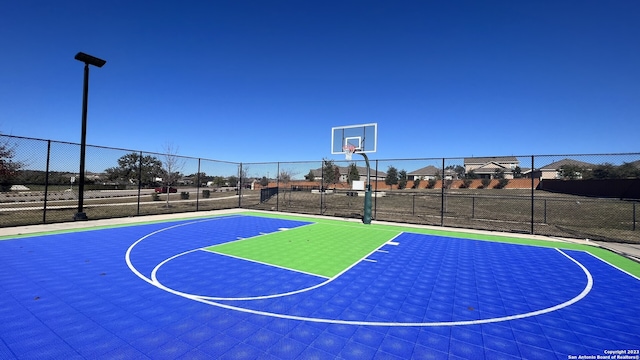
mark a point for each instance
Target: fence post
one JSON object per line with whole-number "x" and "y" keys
{"x": 321, "y": 185}
{"x": 473, "y": 207}
{"x": 634, "y": 216}
{"x": 545, "y": 211}
{"x": 139, "y": 182}
{"x": 239, "y": 186}
{"x": 532, "y": 188}
{"x": 46, "y": 184}
{"x": 198, "y": 187}
{"x": 375, "y": 198}
{"x": 442, "y": 196}
{"x": 278, "y": 186}
{"x": 413, "y": 204}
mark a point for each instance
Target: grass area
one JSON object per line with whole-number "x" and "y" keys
{"x": 30, "y": 213}
{"x": 324, "y": 249}
{"x": 488, "y": 209}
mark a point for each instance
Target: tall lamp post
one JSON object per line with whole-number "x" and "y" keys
{"x": 87, "y": 60}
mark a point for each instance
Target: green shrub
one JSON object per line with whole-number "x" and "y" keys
{"x": 485, "y": 183}
{"x": 431, "y": 183}
{"x": 501, "y": 183}
{"x": 466, "y": 183}
{"x": 206, "y": 194}
{"x": 184, "y": 195}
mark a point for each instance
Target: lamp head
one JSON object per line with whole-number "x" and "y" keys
{"x": 91, "y": 60}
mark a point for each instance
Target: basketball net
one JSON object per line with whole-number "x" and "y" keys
{"x": 348, "y": 151}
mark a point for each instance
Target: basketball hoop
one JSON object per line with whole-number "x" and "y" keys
{"x": 348, "y": 151}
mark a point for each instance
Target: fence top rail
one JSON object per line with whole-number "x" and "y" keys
{"x": 444, "y": 158}
{"x": 309, "y": 161}
{"x": 113, "y": 148}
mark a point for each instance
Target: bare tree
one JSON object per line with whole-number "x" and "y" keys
{"x": 9, "y": 168}
{"x": 171, "y": 166}
{"x": 244, "y": 176}
{"x": 286, "y": 175}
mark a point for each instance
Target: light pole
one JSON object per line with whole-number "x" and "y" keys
{"x": 87, "y": 60}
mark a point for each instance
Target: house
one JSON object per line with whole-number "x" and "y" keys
{"x": 426, "y": 173}
{"x": 344, "y": 174}
{"x": 431, "y": 173}
{"x": 486, "y": 167}
{"x": 554, "y": 170}
{"x": 186, "y": 180}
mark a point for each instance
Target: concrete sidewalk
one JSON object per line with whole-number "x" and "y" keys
{"x": 631, "y": 251}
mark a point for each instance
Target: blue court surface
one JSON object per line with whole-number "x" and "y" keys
{"x": 151, "y": 292}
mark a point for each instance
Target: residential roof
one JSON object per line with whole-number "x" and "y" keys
{"x": 497, "y": 159}
{"x": 491, "y": 166}
{"x": 558, "y": 164}
{"x": 427, "y": 170}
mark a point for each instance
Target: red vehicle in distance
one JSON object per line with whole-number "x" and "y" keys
{"x": 163, "y": 190}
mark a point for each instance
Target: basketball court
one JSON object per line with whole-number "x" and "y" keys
{"x": 257, "y": 285}
{"x": 264, "y": 285}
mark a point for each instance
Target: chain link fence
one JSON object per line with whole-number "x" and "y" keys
{"x": 39, "y": 180}
{"x": 581, "y": 196}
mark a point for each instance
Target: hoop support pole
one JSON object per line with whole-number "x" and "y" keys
{"x": 366, "y": 218}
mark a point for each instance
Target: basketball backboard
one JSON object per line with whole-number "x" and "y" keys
{"x": 363, "y": 137}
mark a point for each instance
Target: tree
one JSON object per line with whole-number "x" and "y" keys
{"x": 392, "y": 176}
{"x": 501, "y": 183}
{"x": 264, "y": 181}
{"x": 570, "y": 172}
{"x": 485, "y": 182}
{"x": 458, "y": 169}
{"x": 328, "y": 172}
{"x": 219, "y": 181}
{"x": 471, "y": 175}
{"x": 416, "y": 183}
{"x": 498, "y": 174}
{"x": 128, "y": 168}
{"x": 172, "y": 165}
{"x": 8, "y": 167}
{"x": 310, "y": 176}
{"x": 202, "y": 177}
{"x": 352, "y": 173}
{"x": 402, "y": 179}
{"x": 244, "y": 176}
{"x": 628, "y": 171}
{"x": 232, "y": 180}
{"x": 286, "y": 175}
{"x": 336, "y": 174}
{"x": 517, "y": 172}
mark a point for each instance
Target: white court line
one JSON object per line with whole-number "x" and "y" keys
{"x": 260, "y": 234}
{"x": 154, "y": 281}
{"x": 260, "y": 262}
{"x": 127, "y": 255}
{"x": 613, "y": 266}
{"x": 157, "y": 283}
{"x": 208, "y": 300}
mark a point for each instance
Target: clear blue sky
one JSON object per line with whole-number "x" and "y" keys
{"x": 258, "y": 81}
